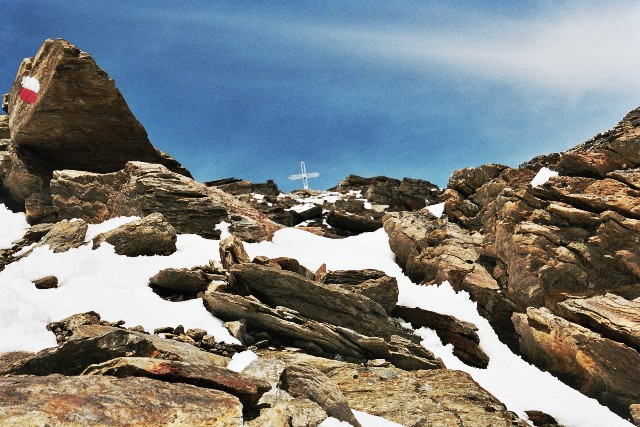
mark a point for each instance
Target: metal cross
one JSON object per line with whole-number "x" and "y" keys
{"x": 304, "y": 175}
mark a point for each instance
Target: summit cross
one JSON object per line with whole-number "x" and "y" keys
{"x": 304, "y": 175}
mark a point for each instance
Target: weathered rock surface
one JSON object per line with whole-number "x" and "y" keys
{"x": 307, "y": 382}
{"x": 151, "y": 235}
{"x": 139, "y": 189}
{"x": 609, "y": 315}
{"x": 373, "y": 284}
{"x": 635, "y": 413}
{"x": 96, "y": 400}
{"x": 352, "y": 222}
{"x": 440, "y": 397}
{"x": 65, "y": 235}
{"x": 462, "y": 335}
{"x": 596, "y": 366}
{"x": 247, "y": 389}
{"x": 232, "y": 252}
{"x": 99, "y": 133}
{"x": 65, "y": 328}
{"x": 323, "y": 303}
{"x": 91, "y": 344}
{"x": 180, "y": 280}
{"x": 316, "y": 337}
{"x": 408, "y": 194}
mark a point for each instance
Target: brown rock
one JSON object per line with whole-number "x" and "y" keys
{"x": 323, "y": 303}
{"x": 138, "y": 189}
{"x": 180, "y": 280}
{"x": 598, "y": 367}
{"x": 92, "y": 344}
{"x": 610, "y": 315}
{"x": 440, "y": 397}
{"x": 95, "y": 400}
{"x": 65, "y": 235}
{"x": 151, "y": 235}
{"x": 540, "y": 419}
{"x": 4, "y": 127}
{"x": 65, "y": 328}
{"x": 635, "y": 413}
{"x": 232, "y": 252}
{"x": 353, "y": 223}
{"x": 99, "y": 133}
{"x": 245, "y": 388}
{"x": 48, "y": 282}
{"x": 462, "y": 335}
{"x": 307, "y": 382}
{"x": 374, "y": 284}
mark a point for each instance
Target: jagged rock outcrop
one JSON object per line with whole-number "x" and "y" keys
{"x": 79, "y": 121}
{"x": 65, "y": 235}
{"x": 151, "y": 235}
{"x": 98, "y": 132}
{"x": 561, "y": 245}
{"x": 323, "y": 303}
{"x": 300, "y": 380}
{"x": 80, "y": 401}
{"x": 462, "y": 335}
{"x": 599, "y": 367}
{"x": 408, "y": 194}
{"x": 373, "y": 284}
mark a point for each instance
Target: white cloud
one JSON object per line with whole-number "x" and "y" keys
{"x": 574, "y": 51}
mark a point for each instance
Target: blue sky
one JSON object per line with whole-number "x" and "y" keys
{"x": 397, "y": 88}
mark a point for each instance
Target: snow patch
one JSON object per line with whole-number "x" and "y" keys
{"x": 543, "y": 175}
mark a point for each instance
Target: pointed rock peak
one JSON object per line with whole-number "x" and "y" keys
{"x": 65, "y": 107}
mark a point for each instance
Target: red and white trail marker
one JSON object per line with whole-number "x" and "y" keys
{"x": 30, "y": 88}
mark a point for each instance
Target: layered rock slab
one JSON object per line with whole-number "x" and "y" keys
{"x": 95, "y": 400}
{"x": 598, "y": 367}
{"x": 80, "y": 120}
{"x": 439, "y": 397}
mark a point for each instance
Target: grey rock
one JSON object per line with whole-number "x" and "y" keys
{"x": 180, "y": 280}
{"x": 65, "y": 235}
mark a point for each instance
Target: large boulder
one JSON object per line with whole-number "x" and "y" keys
{"x": 598, "y": 367}
{"x": 139, "y": 189}
{"x": 151, "y": 235}
{"x": 96, "y": 400}
{"x": 80, "y": 119}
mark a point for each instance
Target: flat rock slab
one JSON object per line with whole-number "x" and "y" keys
{"x": 58, "y": 401}
{"x": 246, "y": 388}
{"x": 439, "y": 397}
{"x": 93, "y": 344}
{"x": 596, "y": 366}
{"x": 610, "y": 315}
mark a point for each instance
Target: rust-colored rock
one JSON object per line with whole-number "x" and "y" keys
{"x": 232, "y": 252}
{"x": 598, "y": 367}
{"x": 107, "y": 401}
{"x": 246, "y": 388}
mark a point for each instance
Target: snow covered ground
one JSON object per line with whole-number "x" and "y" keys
{"x": 116, "y": 287}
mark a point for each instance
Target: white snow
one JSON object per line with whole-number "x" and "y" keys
{"x": 117, "y": 288}
{"x": 368, "y": 420}
{"x": 12, "y": 226}
{"x": 241, "y": 360}
{"x": 543, "y": 175}
{"x": 437, "y": 210}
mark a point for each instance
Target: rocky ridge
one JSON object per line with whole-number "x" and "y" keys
{"x": 552, "y": 268}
